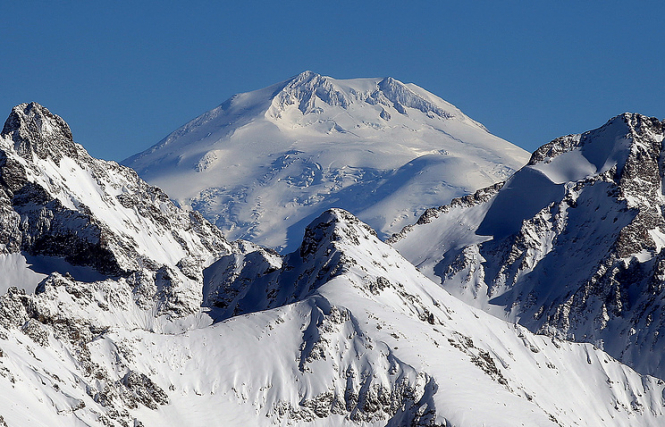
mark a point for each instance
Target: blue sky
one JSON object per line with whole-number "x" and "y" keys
{"x": 125, "y": 74}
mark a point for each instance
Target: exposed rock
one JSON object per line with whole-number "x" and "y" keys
{"x": 57, "y": 201}
{"x": 586, "y": 265}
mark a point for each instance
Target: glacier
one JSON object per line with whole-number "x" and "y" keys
{"x": 264, "y": 164}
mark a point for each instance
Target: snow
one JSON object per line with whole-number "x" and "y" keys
{"x": 266, "y": 163}
{"x": 523, "y": 196}
{"x": 261, "y": 368}
{"x": 16, "y": 271}
{"x": 26, "y": 271}
{"x": 574, "y": 166}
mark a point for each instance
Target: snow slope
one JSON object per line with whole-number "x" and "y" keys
{"x": 354, "y": 335}
{"x": 571, "y": 245}
{"x": 263, "y": 164}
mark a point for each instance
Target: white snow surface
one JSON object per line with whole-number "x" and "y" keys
{"x": 378, "y": 344}
{"x": 264, "y": 164}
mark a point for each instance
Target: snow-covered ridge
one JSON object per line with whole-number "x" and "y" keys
{"x": 571, "y": 245}
{"x": 351, "y": 285}
{"x": 308, "y": 88}
{"x": 344, "y": 332}
{"x": 59, "y": 204}
{"x": 265, "y": 163}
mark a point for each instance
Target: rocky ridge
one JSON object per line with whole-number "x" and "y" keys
{"x": 58, "y": 202}
{"x": 581, "y": 257}
{"x": 361, "y": 298}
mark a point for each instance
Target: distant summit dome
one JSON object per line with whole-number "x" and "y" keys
{"x": 263, "y": 164}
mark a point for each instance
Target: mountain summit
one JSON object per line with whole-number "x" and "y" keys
{"x": 62, "y": 210}
{"x": 264, "y": 164}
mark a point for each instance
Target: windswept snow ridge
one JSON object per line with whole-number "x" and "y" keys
{"x": 264, "y": 164}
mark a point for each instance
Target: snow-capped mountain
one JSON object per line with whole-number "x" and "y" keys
{"x": 571, "y": 245}
{"x": 263, "y": 164}
{"x": 343, "y": 331}
{"x": 62, "y": 210}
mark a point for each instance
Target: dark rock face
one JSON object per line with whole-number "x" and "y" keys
{"x": 254, "y": 279}
{"x": 34, "y": 129}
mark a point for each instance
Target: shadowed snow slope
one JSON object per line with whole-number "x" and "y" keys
{"x": 570, "y": 246}
{"x": 264, "y": 164}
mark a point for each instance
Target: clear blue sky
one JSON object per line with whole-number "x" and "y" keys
{"x": 125, "y": 74}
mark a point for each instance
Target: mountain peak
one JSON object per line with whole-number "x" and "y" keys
{"x": 572, "y": 244}
{"x": 314, "y": 142}
{"x": 401, "y": 97}
{"x": 334, "y": 225}
{"x": 34, "y": 129}
{"x": 57, "y": 202}
{"x": 621, "y": 129}
{"x": 311, "y": 92}
{"x": 305, "y": 75}
{"x": 303, "y": 91}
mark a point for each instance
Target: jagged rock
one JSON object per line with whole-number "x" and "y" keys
{"x": 35, "y": 130}
{"x": 143, "y": 391}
